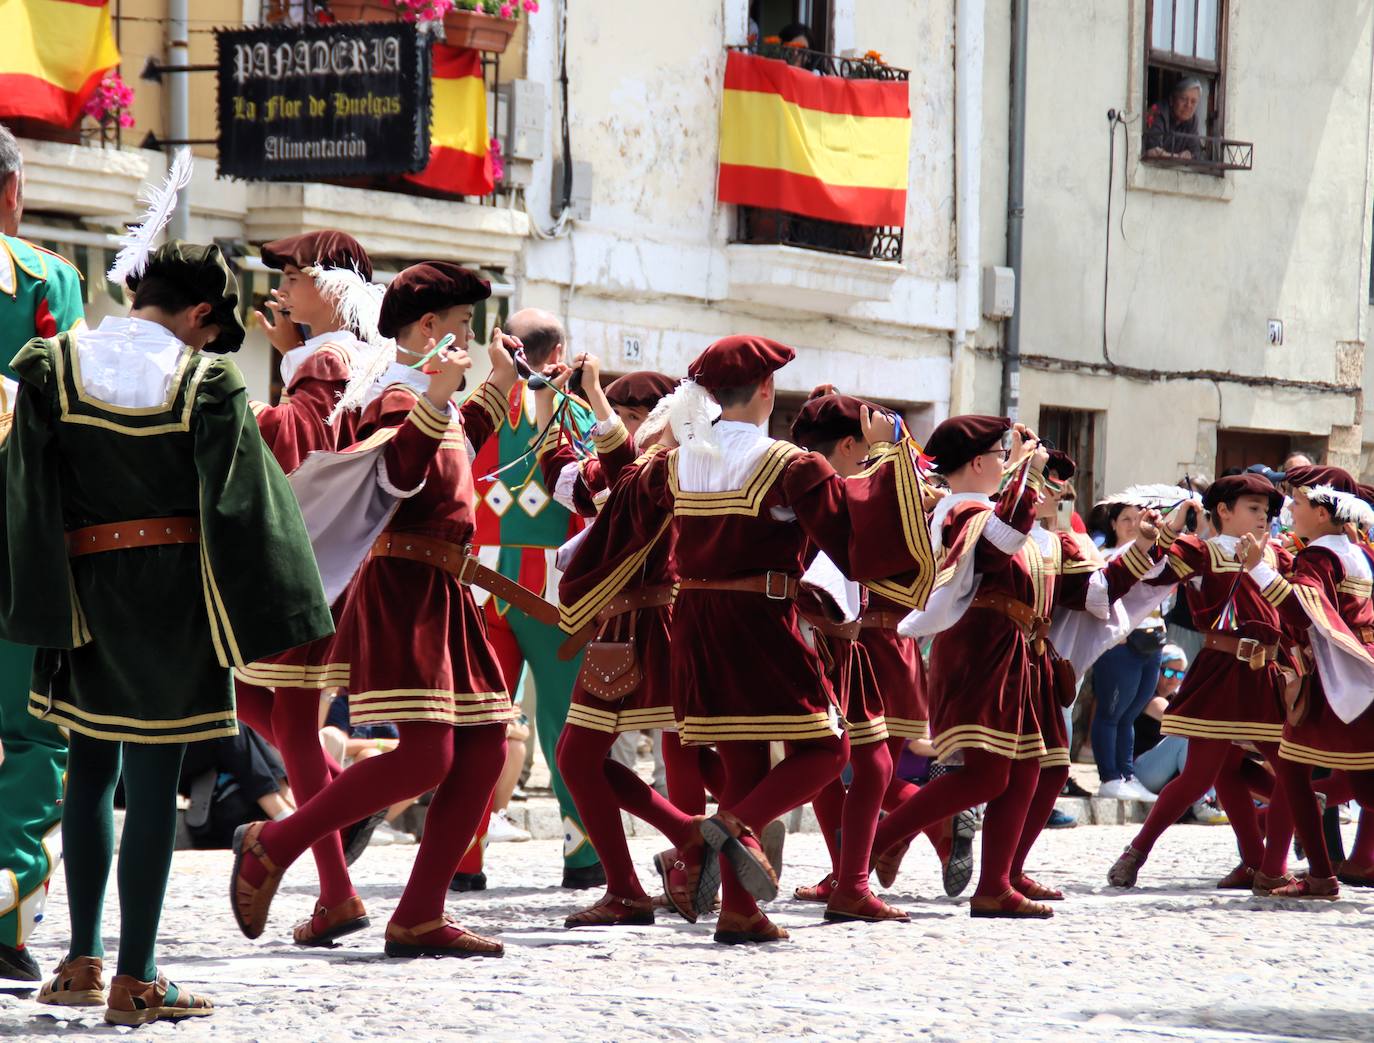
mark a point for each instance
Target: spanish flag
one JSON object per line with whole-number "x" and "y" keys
{"x": 459, "y": 156}
{"x": 53, "y": 53}
{"x": 820, "y": 146}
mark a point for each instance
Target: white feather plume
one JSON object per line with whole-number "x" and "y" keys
{"x": 1156, "y": 496}
{"x": 655, "y": 422}
{"x": 1344, "y": 507}
{"x": 693, "y": 415}
{"x": 137, "y": 243}
{"x": 358, "y": 305}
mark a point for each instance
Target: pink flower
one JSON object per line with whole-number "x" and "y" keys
{"x": 498, "y": 166}
{"x": 531, "y": 6}
{"x": 507, "y": 10}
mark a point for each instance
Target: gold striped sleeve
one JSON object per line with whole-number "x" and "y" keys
{"x": 257, "y": 407}
{"x": 489, "y": 398}
{"x": 1181, "y": 568}
{"x": 1166, "y": 538}
{"x": 553, "y": 437}
{"x": 877, "y": 449}
{"x": 1277, "y": 591}
{"x": 609, "y": 441}
{"x": 1036, "y": 480}
{"x": 428, "y": 419}
{"x": 1137, "y": 561}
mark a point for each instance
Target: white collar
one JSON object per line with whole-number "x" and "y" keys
{"x": 1354, "y": 560}
{"x": 1226, "y": 543}
{"x": 739, "y": 447}
{"x": 291, "y": 360}
{"x": 142, "y": 333}
{"x": 1044, "y": 539}
{"x": 947, "y": 504}
{"x": 397, "y": 373}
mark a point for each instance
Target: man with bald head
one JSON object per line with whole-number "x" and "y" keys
{"x": 519, "y": 530}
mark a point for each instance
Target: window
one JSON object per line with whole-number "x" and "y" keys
{"x": 770, "y": 17}
{"x": 1074, "y": 431}
{"x": 1185, "y": 87}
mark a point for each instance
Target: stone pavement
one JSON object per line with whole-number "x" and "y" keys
{"x": 1173, "y": 960}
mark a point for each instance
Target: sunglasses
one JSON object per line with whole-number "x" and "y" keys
{"x": 1171, "y": 674}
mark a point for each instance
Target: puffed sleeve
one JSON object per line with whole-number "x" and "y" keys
{"x": 261, "y": 582}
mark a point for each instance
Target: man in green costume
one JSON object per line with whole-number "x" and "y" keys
{"x": 40, "y": 296}
{"x": 520, "y": 527}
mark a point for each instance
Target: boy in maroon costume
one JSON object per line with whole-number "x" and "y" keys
{"x": 1232, "y": 692}
{"x": 420, "y": 658}
{"x": 1325, "y": 605}
{"x": 743, "y": 674}
{"x": 992, "y": 696}
{"x": 831, "y": 424}
{"x": 280, "y": 697}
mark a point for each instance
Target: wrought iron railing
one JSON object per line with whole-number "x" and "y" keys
{"x": 778, "y": 227}
{"x": 1208, "y": 155}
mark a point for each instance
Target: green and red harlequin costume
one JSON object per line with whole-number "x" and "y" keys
{"x": 519, "y": 530}
{"x": 40, "y": 296}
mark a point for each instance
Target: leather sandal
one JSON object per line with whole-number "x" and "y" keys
{"x": 1126, "y": 868}
{"x": 134, "y": 1002}
{"x": 819, "y": 893}
{"x": 252, "y": 904}
{"x": 1355, "y": 875}
{"x": 1263, "y": 884}
{"x": 864, "y": 908}
{"x": 889, "y": 863}
{"x": 1317, "y": 888}
{"x": 1242, "y": 878}
{"x": 1037, "y": 891}
{"x": 1009, "y": 905}
{"x": 738, "y": 929}
{"x": 77, "y": 982}
{"x": 957, "y": 868}
{"x": 736, "y": 841}
{"x": 325, "y": 925}
{"x": 410, "y": 942}
{"x": 614, "y": 911}
{"x": 690, "y": 875}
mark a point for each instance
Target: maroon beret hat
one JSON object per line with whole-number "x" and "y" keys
{"x": 738, "y": 361}
{"x": 1308, "y": 475}
{"x": 959, "y": 439}
{"x": 326, "y": 249}
{"x": 827, "y": 418}
{"x": 426, "y": 287}
{"x": 640, "y": 390}
{"x": 1365, "y": 493}
{"x": 1061, "y": 465}
{"x": 1248, "y": 484}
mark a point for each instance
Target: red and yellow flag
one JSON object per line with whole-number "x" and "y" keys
{"x": 52, "y": 55}
{"x": 459, "y": 157}
{"x": 820, "y": 146}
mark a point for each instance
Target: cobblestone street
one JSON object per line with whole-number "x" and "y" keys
{"x": 1174, "y": 960}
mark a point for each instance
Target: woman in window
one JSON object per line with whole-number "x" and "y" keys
{"x": 1174, "y": 130}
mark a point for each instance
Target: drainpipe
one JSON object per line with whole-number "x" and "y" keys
{"x": 969, "y": 16}
{"x": 1016, "y": 169}
{"x": 179, "y": 105}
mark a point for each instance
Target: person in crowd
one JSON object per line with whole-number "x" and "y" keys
{"x": 1124, "y": 678}
{"x": 1159, "y": 758}
{"x": 41, "y": 298}
{"x": 1173, "y": 130}
{"x": 229, "y": 781}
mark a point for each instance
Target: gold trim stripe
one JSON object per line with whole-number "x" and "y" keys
{"x": 863, "y": 732}
{"x": 1355, "y": 587}
{"x": 1137, "y": 562}
{"x": 1311, "y": 601}
{"x": 1181, "y": 568}
{"x": 61, "y": 720}
{"x": 1165, "y": 537}
{"x": 428, "y": 419}
{"x": 131, "y": 722}
{"x": 572, "y": 618}
{"x": 1199, "y": 728}
{"x": 1292, "y": 751}
{"x": 612, "y": 439}
{"x": 1277, "y": 592}
{"x": 746, "y": 500}
{"x": 266, "y": 675}
{"x": 904, "y": 728}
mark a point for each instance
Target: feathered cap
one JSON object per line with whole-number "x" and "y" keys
{"x": 322, "y": 249}
{"x": 659, "y": 418}
{"x": 1158, "y": 496}
{"x": 738, "y": 361}
{"x": 1336, "y": 490}
{"x": 201, "y": 271}
{"x": 1231, "y": 486}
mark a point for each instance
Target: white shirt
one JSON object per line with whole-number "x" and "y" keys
{"x": 129, "y": 362}
{"x": 741, "y": 446}
{"x": 291, "y": 360}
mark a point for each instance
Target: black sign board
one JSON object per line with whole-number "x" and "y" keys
{"x": 304, "y": 102}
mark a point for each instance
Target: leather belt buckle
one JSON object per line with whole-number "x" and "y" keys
{"x": 768, "y": 590}
{"x": 1251, "y": 652}
{"x": 468, "y": 567}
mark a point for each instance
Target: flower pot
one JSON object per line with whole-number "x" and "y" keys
{"x": 483, "y": 32}
{"x": 362, "y": 11}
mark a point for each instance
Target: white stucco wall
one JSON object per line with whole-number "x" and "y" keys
{"x": 1198, "y": 264}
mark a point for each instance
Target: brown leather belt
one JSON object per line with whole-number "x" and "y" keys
{"x": 1035, "y": 628}
{"x": 830, "y": 628}
{"x": 777, "y": 586}
{"x": 461, "y": 562}
{"x": 1365, "y": 635}
{"x": 626, "y": 601}
{"x": 880, "y": 620}
{"x": 1247, "y": 649}
{"x": 143, "y": 532}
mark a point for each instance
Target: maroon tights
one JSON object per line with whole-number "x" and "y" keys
{"x": 848, "y": 819}
{"x": 290, "y": 721}
{"x": 1296, "y": 781}
{"x": 461, "y": 765}
{"x": 601, "y": 787}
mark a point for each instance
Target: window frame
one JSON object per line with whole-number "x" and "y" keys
{"x": 1185, "y": 64}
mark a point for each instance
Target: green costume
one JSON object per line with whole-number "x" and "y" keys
{"x": 136, "y": 644}
{"x": 40, "y": 295}
{"x": 516, "y": 514}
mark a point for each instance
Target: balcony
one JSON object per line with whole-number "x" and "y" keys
{"x": 1213, "y": 155}
{"x": 757, "y": 226}
{"x": 90, "y": 182}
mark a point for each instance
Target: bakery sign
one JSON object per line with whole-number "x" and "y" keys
{"x": 329, "y": 101}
